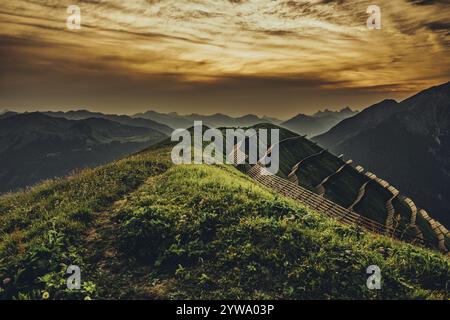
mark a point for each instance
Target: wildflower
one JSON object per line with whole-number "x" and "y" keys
{"x": 87, "y": 298}
{"x": 45, "y": 295}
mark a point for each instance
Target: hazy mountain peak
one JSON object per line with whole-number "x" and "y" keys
{"x": 271, "y": 120}
{"x": 301, "y": 116}
{"x": 317, "y": 123}
{"x": 328, "y": 112}
{"x": 351, "y": 126}
{"x": 388, "y": 101}
{"x": 138, "y": 121}
{"x": 347, "y": 110}
{"x": 250, "y": 116}
{"x": 176, "y": 120}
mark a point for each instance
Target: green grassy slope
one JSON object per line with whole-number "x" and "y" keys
{"x": 142, "y": 228}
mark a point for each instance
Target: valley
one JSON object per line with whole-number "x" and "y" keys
{"x": 35, "y": 147}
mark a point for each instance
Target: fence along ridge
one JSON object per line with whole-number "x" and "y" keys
{"x": 324, "y": 205}
{"x": 439, "y": 230}
{"x": 313, "y": 199}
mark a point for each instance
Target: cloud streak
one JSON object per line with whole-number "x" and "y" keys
{"x": 325, "y": 43}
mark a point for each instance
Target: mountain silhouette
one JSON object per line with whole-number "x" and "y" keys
{"x": 176, "y": 120}
{"x": 407, "y": 142}
{"x": 122, "y": 119}
{"x": 317, "y": 123}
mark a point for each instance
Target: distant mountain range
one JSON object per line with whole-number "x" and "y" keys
{"x": 320, "y": 122}
{"x": 41, "y": 145}
{"x": 176, "y": 120}
{"x": 122, "y": 119}
{"x": 406, "y": 142}
{"x": 36, "y": 146}
{"x": 315, "y": 124}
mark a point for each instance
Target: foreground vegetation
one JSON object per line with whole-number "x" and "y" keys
{"x": 142, "y": 228}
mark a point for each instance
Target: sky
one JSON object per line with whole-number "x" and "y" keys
{"x": 267, "y": 57}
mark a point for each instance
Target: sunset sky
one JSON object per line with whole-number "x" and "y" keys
{"x": 272, "y": 57}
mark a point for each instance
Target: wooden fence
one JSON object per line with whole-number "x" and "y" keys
{"x": 322, "y": 205}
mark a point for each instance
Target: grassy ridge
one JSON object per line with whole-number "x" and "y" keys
{"x": 214, "y": 234}
{"x": 194, "y": 232}
{"x": 45, "y": 227}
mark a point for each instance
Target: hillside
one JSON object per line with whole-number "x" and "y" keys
{"x": 320, "y": 122}
{"x": 7, "y": 114}
{"x": 408, "y": 142}
{"x": 34, "y": 147}
{"x": 368, "y": 118}
{"x": 141, "y": 228}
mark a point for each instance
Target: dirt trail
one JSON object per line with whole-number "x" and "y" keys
{"x": 103, "y": 258}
